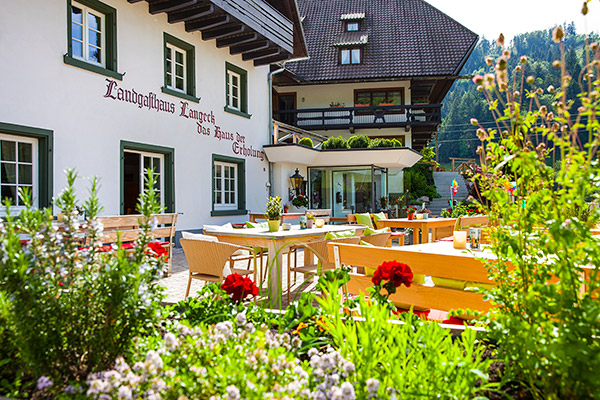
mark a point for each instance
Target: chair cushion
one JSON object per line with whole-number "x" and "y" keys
{"x": 337, "y": 235}
{"x": 363, "y": 243}
{"x": 257, "y": 224}
{"x": 377, "y": 217}
{"x": 449, "y": 283}
{"x": 199, "y": 236}
{"x": 364, "y": 219}
{"x": 370, "y": 231}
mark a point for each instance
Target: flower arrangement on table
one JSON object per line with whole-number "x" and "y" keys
{"x": 274, "y": 206}
{"x": 410, "y": 210}
{"x": 239, "y": 287}
{"x": 300, "y": 201}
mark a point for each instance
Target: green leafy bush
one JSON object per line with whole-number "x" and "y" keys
{"x": 335, "y": 143}
{"x": 359, "y": 142}
{"x": 465, "y": 207}
{"x": 383, "y": 143}
{"x": 306, "y": 142}
{"x": 72, "y": 310}
{"x": 547, "y": 321}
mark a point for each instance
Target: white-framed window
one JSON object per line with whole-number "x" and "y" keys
{"x": 352, "y": 26}
{"x": 18, "y": 168}
{"x": 225, "y": 185}
{"x": 135, "y": 165}
{"x": 175, "y": 68}
{"x": 88, "y": 36}
{"x": 233, "y": 90}
{"x": 350, "y": 56}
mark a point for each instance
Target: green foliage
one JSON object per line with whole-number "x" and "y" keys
{"x": 305, "y": 141}
{"x": 547, "y": 321}
{"x": 456, "y": 135}
{"x": 73, "y": 311}
{"x": 335, "y": 143}
{"x": 379, "y": 143}
{"x": 465, "y": 207}
{"x": 274, "y": 207}
{"x": 359, "y": 142}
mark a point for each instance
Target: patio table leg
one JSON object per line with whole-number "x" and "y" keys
{"x": 275, "y": 270}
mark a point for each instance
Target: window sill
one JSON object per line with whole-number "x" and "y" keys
{"x": 181, "y": 95}
{"x": 91, "y": 67}
{"x": 224, "y": 213}
{"x": 237, "y": 112}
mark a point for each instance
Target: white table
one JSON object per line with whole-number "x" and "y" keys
{"x": 276, "y": 244}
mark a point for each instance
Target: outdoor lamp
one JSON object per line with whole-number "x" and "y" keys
{"x": 296, "y": 181}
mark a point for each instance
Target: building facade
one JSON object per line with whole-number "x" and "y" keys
{"x": 114, "y": 87}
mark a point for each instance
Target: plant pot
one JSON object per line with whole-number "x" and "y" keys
{"x": 361, "y": 105}
{"x": 386, "y": 104}
{"x": 309, "y": 223}
{"x": 410, "y": 216}
{"x": 273, "y": 225}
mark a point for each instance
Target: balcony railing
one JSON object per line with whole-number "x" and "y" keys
{"x": 362, "y": 117}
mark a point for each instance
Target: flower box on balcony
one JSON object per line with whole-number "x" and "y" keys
{"x": 386, "y": 104}
{"x": 361, "y": 105}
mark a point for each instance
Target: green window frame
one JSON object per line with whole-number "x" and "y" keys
{"x": 189, "y": 92}
{"x": 242, "y": 92}
{"x": 168, "y": 190}
{"x": 241, "y": 185}
{"x": 45, "y": 160}
{"x": 110, "y": 40}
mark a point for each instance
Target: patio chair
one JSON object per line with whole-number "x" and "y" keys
{"x": 476, "y": 221}
{"x": 238, "y": 255}
{"x": 378, "y": 239}
{"x": 207, "y": 258}
{"x": 319, "y": 248}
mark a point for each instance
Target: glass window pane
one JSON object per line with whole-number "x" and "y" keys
{"x": 234, "y": 92}
{"x": 352, "y": 26}
{"x": 94, "y": 54}
{"x": 169, "y": 67}
{"x": 379, "y": 97}
{"x": 94, "y": 22}
{"x": 8, "y": 150}
{"x": 169, "y": 77}
{"x": 77, "y": 48}
{"x": 95, "y": 38}
{"x": 25, "y": 174}
{"x": 395, "y": 97}
{"x": 169, "y": 53}
{"x": 25, "y": 152}
{"x": 156, "y": 162}
{"x": 235, "y": 103}
{"x": 345, "y": 56}
{"x": 179, "y": 83}
{"x": 8, "y": 173}
{"x": 9, "y": 192}
{"x": 218, "y": 185}
{"x": 76, "y": 14}
{"x": 157, "y": 183}
{"x": 20, "y": 202}
{"x": 355, "y": 56}
{"x": 76, "y": 31}
{"x": 234, "y": 80}
{"x": 178, "y": 70}
{"x": 363, "y": 98}
{"x": 147, "y": 162}
{"x": 178, "y": 57}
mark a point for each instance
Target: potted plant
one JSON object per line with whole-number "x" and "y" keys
{"x": 286, "y": 208}
{"x": 410, "y": 212}
{"x": 336, "y": 104}
{"x": 386, "y": 102}
{"x": 300, "y": 201}
{"x": 310, "y": 219}
{"x": 274, "y": 207}
{"x": 362, "y": 103}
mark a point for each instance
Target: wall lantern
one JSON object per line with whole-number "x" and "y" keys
{"x": 296, "y": 181}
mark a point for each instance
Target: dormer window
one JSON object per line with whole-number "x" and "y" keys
{"x": 352, "y": 26}
{"x": 352, "y": 55}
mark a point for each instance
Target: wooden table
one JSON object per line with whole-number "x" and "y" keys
{"x": 284, "y": 216}
{"x": 276, "y": 244}
{"x": 423, "y": 224}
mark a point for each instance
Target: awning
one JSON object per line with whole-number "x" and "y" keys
{"x": 395, "y": 157}
{"x": 351, "y": 39}
{"x": 352, "y": 17}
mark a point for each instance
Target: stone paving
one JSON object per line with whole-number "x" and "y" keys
{"x": 176, "y": 284}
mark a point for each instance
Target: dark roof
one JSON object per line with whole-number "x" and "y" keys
{"x": 406, "y": 38}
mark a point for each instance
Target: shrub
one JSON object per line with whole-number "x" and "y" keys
{"x": 306, "y": 142}
{"x": 379, "y": 143}
{"x": 359, "y": 142}
{"x": 335, "y": 143}
{"x": 74, "y": 310}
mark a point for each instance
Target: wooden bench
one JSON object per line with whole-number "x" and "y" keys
{"x": 127, "y": 229}
{"x": 351, "y": 219}
{"x": 323, "y": 213}
{"x": 459, "y": 267}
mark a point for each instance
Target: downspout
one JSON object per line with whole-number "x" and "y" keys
{"x": 270, "y": 130}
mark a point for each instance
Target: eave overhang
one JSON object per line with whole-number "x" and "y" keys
{"x": 397, "y": 157}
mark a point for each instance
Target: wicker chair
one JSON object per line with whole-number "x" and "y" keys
{"x": 378, "y": 239}
{"x": 206, "y": 260}
{"x": 319, "y": 248}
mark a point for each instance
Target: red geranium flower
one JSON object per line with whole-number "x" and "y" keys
{"x": 157, "y": 249}
{"x": 239, "y": 287}
{"x": 394, "y": 272}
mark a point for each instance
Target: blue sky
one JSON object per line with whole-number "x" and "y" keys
{"x": 489, "y": 18}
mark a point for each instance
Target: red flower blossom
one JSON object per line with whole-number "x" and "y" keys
{"x": 157, "y": 249}
{"x": 394, "y": 272}
{"x": 239, "y": 287}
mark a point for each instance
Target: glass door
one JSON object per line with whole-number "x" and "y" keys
{"x": 136, "y": 163}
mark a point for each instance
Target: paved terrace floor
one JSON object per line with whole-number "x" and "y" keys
{"x": 176, "y": 283}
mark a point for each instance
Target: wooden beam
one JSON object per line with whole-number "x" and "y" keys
{"x": 244, "y": 48}
{"x": 134, "y": 1}
{"x": 194, "y": 13}
{"x": 157, "y": 7}
{"x": 253, "y": 55}
{"x": 272, "y": 59}
{"x": 223, "y": 32}
{"x": 208, "y": 23}
{"x": 236, "y": 40}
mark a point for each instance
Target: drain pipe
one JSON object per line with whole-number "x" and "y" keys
{"x": 270, "y": 130}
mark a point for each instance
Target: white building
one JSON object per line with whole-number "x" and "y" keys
{"x": 113, "y": 87}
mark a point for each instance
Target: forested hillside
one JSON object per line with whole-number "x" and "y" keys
{"x": 456, "y": 135}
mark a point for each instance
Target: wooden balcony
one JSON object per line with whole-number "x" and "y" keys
{"x": 426, "y": 116}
